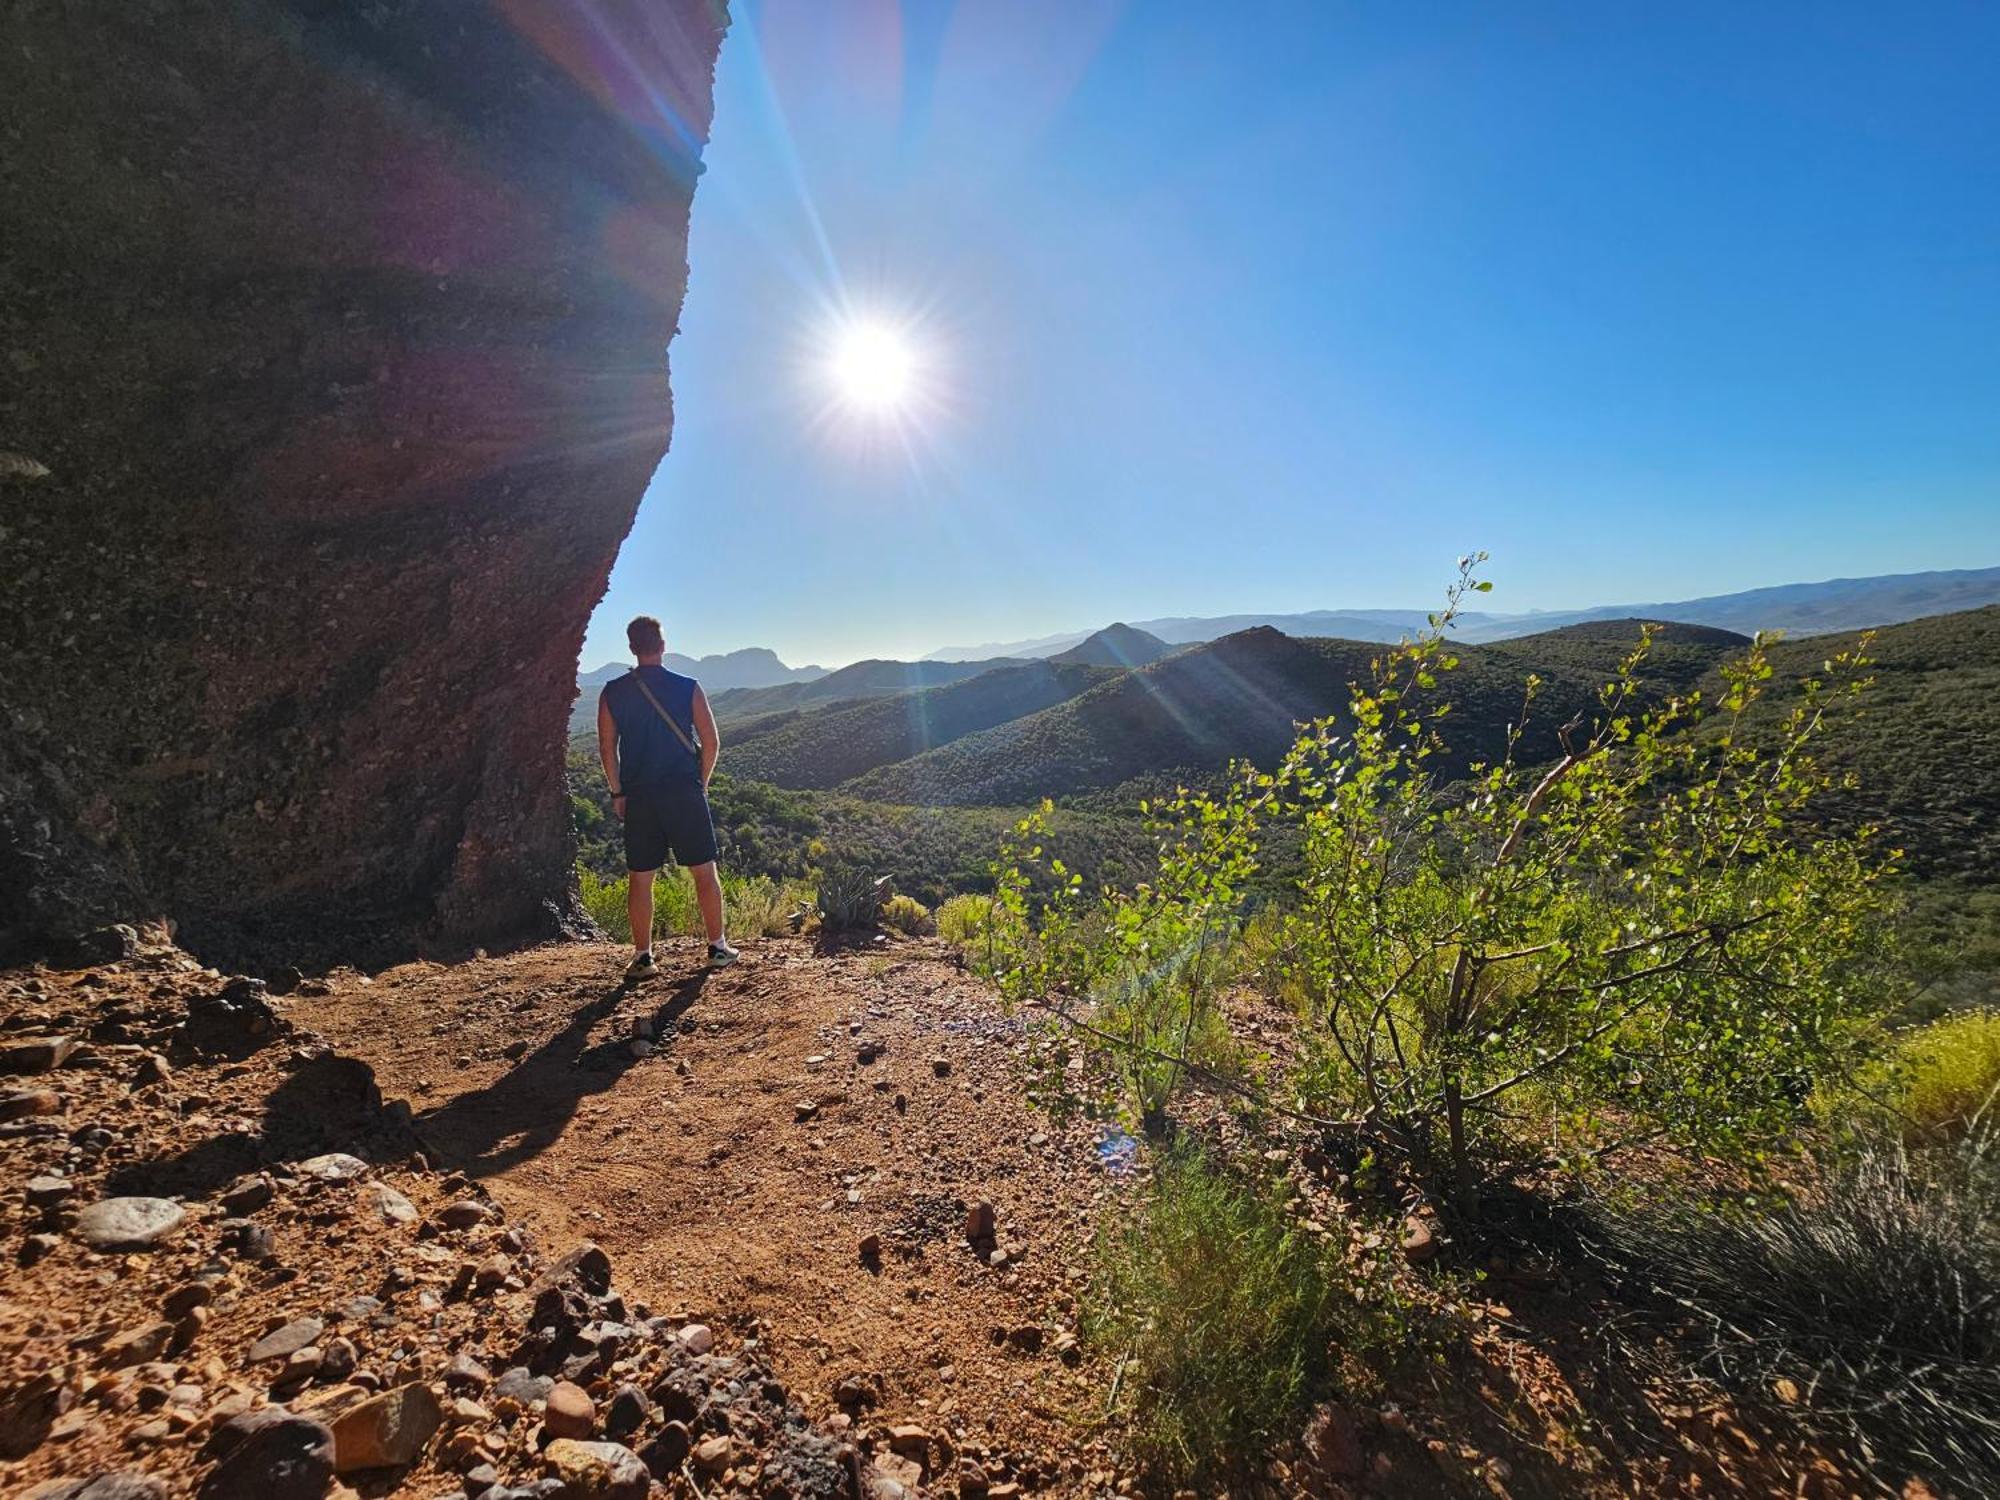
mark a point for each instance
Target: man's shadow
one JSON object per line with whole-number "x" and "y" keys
{"x": 524, "y": 1112}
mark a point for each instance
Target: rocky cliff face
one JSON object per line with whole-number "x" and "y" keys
{"x": 340, "y": 332}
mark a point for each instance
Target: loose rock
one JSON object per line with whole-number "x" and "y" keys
{"x": 129, "y": 1223}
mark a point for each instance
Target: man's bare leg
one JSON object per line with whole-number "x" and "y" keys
{"x": 639, "y": 908}
{"x": 708, "y": 894}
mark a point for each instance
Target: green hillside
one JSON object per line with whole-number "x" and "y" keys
{"x": 1926, "y": 747}
{"x": 824, "y": 747}
{"x": 1240, "y": 697}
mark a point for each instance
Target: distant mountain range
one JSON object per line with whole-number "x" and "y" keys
{"x": 1796, "y": 608}
{"x": 751, "y": 667}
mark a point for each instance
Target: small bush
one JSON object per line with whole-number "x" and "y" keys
{"x": 758, "y": 906}
{"x": 850, "y": 898}
{"x": 605, "y": 901}
{"x": 963, "y": 920}
{"x": 1221, "y": 1310}
{"x": 1947, "y": 1078}
{"x": 1867, "y": 1309}
{"x": 906, "y": 914}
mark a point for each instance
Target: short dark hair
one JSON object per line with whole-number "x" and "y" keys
{"x": 644, "y": 636}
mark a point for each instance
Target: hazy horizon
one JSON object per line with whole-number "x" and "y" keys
{"x": 1203, "y": 317}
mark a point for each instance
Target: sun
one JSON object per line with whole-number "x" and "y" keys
{"x": 873, "y": 368}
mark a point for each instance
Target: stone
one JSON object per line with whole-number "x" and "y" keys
{"x": 138, "y": 1346}
{"x": 941, "y": 1066}
{"x": 521, "y": 1387}
{"x": 597, "y": 1471}
{"x": 23, "y": 1104}
{"x": 126, "y": 1484}
{"x": 803, "y": 1111}
{"x": 467, "y": 1213}
{"x": 385, "y": 1431}
{"x": 47, "y": 1192}
{"x": 270, "y": 1454}
{"x": 28, "y": 1410}
{"x": 246, "y": 1195}
{"x": 669, "y": 1449}
{"x": 338, "y": 1359}
{"x": 282, "y": 1343}
{"x": 1027, "y": 1338}
{"x": 871, "y": 1247}
{"x": 910, "y": 1440}
{"x": 334, "y": 1166}
{"x": 232, "y": 1022}
{"x": 712, "y": 1454}
{"x": 119, "y": 1224}
{"x": 151, "y": 1069}
{"x": 980, "y": 1221}
{"x": 1419, "y": 1242}
{"x": 697, "y": 1338}
{"x": 468, "y": 1374}
{"x": 628, "y": 1411}
{"x": 571, "y": 1413}
{"x": 301, "y": 1366}
{"x": 38, "y": 1247}
{"x": 41, "y": 1054}
{"x": 1332, "y": 1443}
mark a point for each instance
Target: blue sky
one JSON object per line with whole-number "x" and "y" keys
{"x": 1222, "y": 308}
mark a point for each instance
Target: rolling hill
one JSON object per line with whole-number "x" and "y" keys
{"x": 1239, "y": 698}
{"x": 823, "y": 747}
{"x": 864, "y": 679}
{"x": 1115, "y": 646}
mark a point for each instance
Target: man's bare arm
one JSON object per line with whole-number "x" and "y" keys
{"x": 607, "y": 752}
{"x": 711, "y": 742}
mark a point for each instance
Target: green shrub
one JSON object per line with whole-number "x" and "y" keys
{"x": 758, "y": 906}
{"x": 605, "y": 901}
{"x": 1526, "y": 965}
{"x": 1868, "y": 1308}
{"x": 1940, "y": 1082}
{"x": 1221, "y": 1313}
{"x": 850, "y": 898}
{"x": 963, "y": 920}
{"x": 906, "y": 914}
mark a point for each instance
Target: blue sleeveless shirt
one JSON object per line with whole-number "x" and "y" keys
{"x": 649, "y": 753}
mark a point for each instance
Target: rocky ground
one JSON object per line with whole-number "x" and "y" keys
{"x": 786, "y": 1229}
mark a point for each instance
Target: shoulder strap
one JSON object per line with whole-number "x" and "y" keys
{"x": 686, "y": 739}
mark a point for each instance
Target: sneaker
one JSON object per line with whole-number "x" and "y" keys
{"x": 721, "y": 955}
{"x": 642, "y": 967}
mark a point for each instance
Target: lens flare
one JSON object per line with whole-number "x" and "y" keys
{"x": 873, "y": 368}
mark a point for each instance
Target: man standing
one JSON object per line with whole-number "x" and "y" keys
{"x": 656, "y": 737}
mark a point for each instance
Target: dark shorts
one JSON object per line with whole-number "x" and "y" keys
{"x": 669, "y": 819}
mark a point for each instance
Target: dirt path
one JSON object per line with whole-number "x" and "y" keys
{"x": 735, "y": 1172}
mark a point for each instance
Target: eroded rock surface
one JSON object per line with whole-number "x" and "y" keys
{"x": 332, "y": 368}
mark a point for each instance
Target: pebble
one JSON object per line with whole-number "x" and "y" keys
{"x": 282, "y": 1343}
{"x": 980, "y": 1220}
{"x": 571, "y": 1413}
{"x": 391, "y": 1205}
{"x": 335, "y": 1166}
{"x": 129, "y": 1223}
{"x": 47, "y": 1192}
{"x": 466, "y": 1213}
{"x": 1419, "y": 1243}
{"x": 697, "y": 1338}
